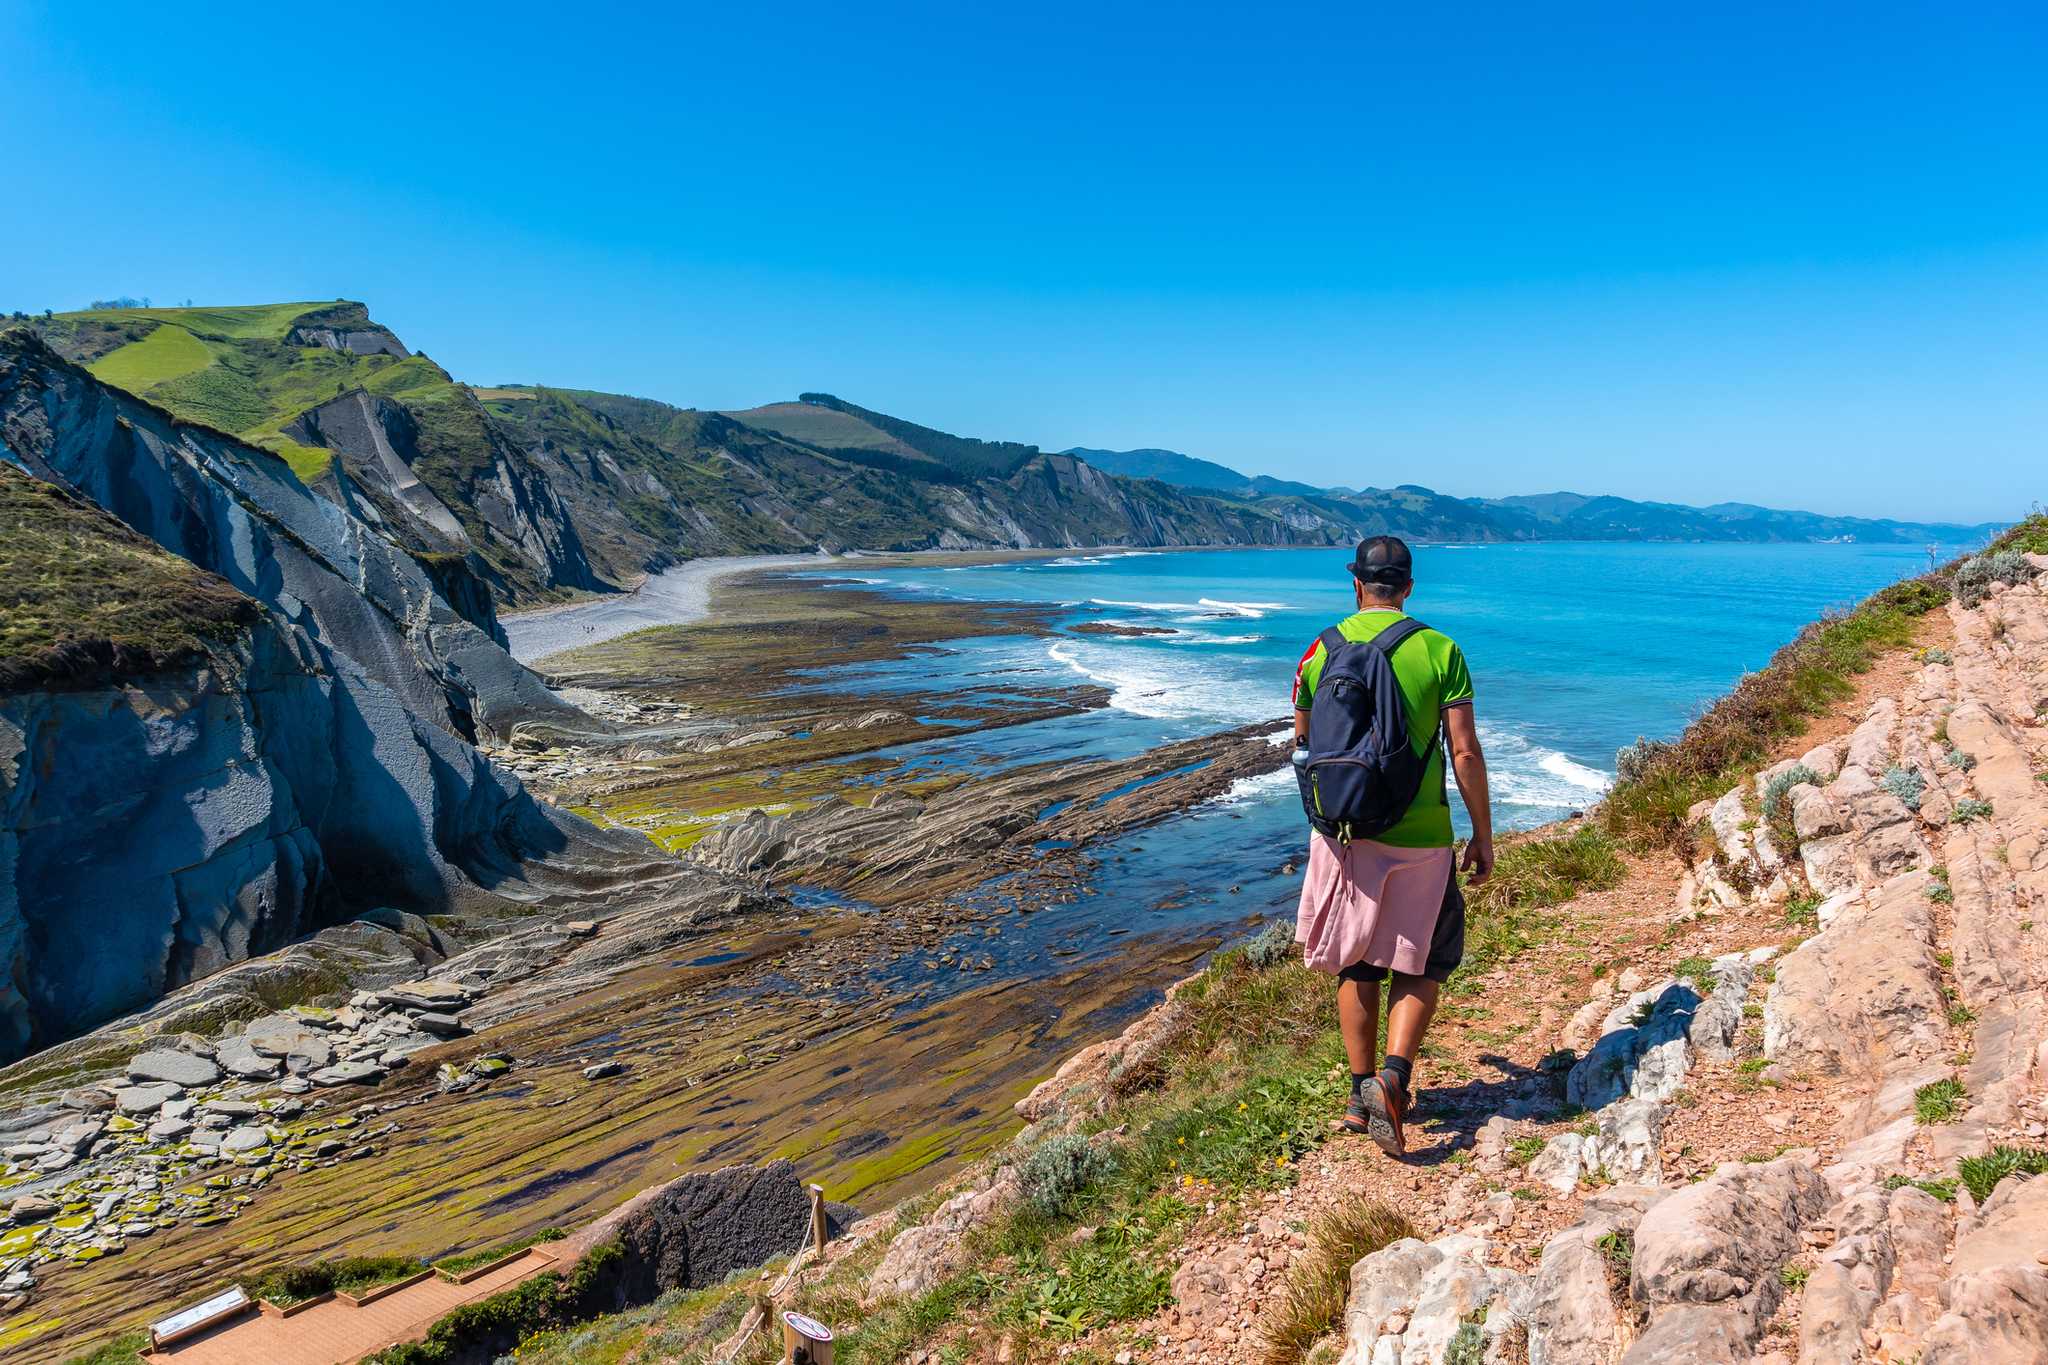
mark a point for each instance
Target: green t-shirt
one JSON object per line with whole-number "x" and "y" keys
{"x": 1430, "y": 669}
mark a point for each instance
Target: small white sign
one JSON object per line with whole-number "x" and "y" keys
{"x": 810, "y": 1327}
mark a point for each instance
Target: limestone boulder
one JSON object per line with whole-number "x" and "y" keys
{"x": 1707, "y": 1258}
{"x": 1863, "y": 997}
{"x": 1574, "y": 1306}
{"x": 1410, "y": 1298}
{"x": 920, "y": 1257}
{"x": 1999, "y": 1314}
{"x": 1823, "y": 760}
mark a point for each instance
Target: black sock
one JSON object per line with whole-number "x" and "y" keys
{"x": 1398, "y": 1070}
{"x": 1358, "y": 1083}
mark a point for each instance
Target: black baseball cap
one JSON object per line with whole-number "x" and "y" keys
{"x": 1383, "y": 559}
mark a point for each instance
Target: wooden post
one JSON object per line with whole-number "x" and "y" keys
{"x": 820, "y": 1231}
{"x": 805, "y": 1341}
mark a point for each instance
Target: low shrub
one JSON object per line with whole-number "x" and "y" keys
{"x": 1970, "y": 808}
{"x": 1467, "y": 1345}
{"x": 1778, "y": 787}
{"x": 1270, "y": 947}
{"x": 1974, "y": 577}
{"x": 292, "y": 1284}
{"x": 1634, "y": 762}
{"x": 1958, "y": 759}
{"x": 1061, "y": 1170}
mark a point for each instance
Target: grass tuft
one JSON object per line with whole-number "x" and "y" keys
{"x": 1940, "y": 1101}
{"x": 1981, "y": 1174}
{"x": 1944, "y": 1190}
{"x": 1319, "y": 1281}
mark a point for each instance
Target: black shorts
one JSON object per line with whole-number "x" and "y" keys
{"x": 1446, "y": 941}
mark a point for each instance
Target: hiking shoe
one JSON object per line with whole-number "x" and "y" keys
{"x": 1384, "y": 1109}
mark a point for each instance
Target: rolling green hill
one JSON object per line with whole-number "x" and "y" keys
{"x": 836, "y": 427}
{"x": 1168, "y": 466}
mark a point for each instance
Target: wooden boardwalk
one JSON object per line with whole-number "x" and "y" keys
{"x": 337, "y": 1332}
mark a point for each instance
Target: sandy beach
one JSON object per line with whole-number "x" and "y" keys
{"x": 672, "y": 597}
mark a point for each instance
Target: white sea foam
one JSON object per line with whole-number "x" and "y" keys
{"x": 1254, "y": 610}
{"x": 1143, "y": 606}
{"x": 1077, "y": 561}
{"x": 1578, "y": 774}
{"x": 1145, "y": 683}
{"x": 1525, "y": 773}
{"x": 1214, "y": 639}
{"x": 1257, "y": 787}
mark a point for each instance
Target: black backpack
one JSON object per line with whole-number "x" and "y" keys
{"x": 1362, "y": 771}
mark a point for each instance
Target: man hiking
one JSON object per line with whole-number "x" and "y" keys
{"x": 1381, "y": 897}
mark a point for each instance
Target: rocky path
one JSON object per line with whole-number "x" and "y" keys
{"x": 1782, "y": 1104}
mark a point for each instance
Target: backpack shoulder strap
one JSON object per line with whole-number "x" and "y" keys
{"x": 1393, "y": 636}
{"x": 1332, "y": 641}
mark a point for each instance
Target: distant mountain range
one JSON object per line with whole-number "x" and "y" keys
{"x": 542, "y": 491}
{"x": 1550, "y": 516}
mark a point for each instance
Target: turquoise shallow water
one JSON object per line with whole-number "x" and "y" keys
{"x": 1575, "y": 650}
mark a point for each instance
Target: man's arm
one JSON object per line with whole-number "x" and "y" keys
{"x": 1469, "y": 763}
{"x": 1300, "y": 728}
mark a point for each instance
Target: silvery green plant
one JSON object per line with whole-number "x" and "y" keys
{"x": 1632, "y": 761}
{"x": 1975, "y": 577}
{"x": 1060, "y": 1170}
{"x": 1776, "y": 789}
{"x": 1905, "y": 783}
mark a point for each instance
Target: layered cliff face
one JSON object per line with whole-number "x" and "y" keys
{"x": 159, "y": 827}
{"x": 240, "y": 512}
{"x": 206, "y": 755}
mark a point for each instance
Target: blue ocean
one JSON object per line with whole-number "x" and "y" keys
{"x": 1576, "y": 649}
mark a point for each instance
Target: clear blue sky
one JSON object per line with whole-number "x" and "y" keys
{"x": 1798, "y": 258}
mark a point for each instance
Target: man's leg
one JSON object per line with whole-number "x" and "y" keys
{"x": 1358, "y": 1019}
{"x": 1411, "y": 1000}
{"x": 1411, "y": 1004}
